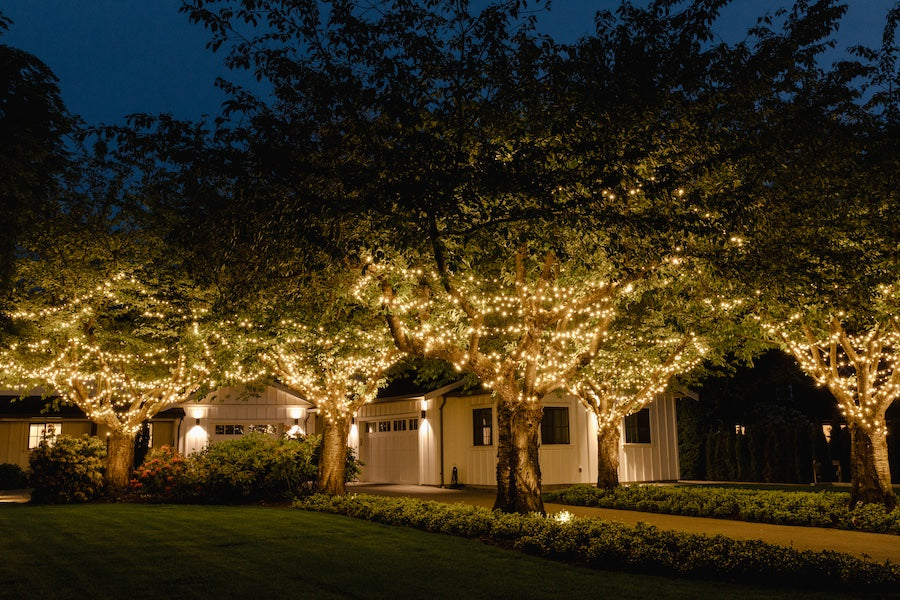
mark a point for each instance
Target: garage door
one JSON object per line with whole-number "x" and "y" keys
{"x": 389, "y": 450}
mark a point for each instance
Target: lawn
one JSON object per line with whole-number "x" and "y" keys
{"x": 151, "y": 551}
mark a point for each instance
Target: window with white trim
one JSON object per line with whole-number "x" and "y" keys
{"x": 637, "y": 427}
{"x": 38, "y": 432}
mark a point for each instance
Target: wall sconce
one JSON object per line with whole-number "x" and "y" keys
{"x": 197, "y": 421}
{"x": 296, "y": 421}
{"x": 424, "y": 404}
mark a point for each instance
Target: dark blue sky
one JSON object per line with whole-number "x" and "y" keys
{"x": 117, "y": 57}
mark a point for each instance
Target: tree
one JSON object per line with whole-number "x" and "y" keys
{"x": 121, "y": 353}
{"x": 33, "y": 159}
{"x": 623, "y": 379}
{"x": 501, "y": 173}
{"x": 819, "y": 253}
{"x": 339, "y": 372}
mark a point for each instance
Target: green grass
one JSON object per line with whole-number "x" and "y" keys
{"x": 152, "y": 551}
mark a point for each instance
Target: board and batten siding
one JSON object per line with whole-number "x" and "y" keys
{"x": 561, "y": 464}
{"x": 234, "y": 406}
{"x": 14, "y": 437}
{"x": 658, "y": 460}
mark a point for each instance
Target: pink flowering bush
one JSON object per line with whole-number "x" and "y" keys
{"x": 164, "y": 476}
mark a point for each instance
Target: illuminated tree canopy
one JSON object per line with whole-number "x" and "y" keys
{"x": 339, "y": 372}
{"x": 818, "y": 265}
{"x": 121, "y": 352}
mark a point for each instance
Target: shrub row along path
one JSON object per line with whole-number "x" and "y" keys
{"x": 873, "y": 546}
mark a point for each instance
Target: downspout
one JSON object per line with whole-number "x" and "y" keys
{"x": 441, "y": 417}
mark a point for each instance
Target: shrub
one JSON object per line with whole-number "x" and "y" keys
{"x": 12, "y": 477}
{"x": 71, "y": 470}
{"x": 813, "y": 509}
{"x": 609, "y": 545}
{"x": 256, "y": 467}
{"x": 164, "y": 476}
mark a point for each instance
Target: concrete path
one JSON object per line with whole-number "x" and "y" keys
{"x": 873, "y": 546}
{"x": 18, "y": 496}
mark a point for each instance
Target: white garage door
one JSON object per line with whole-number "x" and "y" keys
{"x": 389, "y": 450}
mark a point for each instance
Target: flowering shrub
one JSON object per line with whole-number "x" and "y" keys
{"x": 71, "y": 470}
{"x": 813, "y": 509}
{"x": 609, "y": 545}
{"x": 164, "y": 476}
{"x": 247, "y": 469}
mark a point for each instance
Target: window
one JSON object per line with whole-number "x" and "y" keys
{"x": 384, "y": 426}
{"x": 42, "y": 431}
{"x": 637, "y": 427}
{"x": 483, "y": 426}
{"x": 400, "y": 425}
{"x": 555, "y": 425}
{"x": 413, "y": 424}
{"x": 267, "y": 429}
{"x": 229, "y": 430}
{"x": 371, "y": 426}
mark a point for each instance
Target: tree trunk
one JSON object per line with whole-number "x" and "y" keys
{"x": 333, "y": 458}
{"x": 525, "y": 431}
{"x": 870, "y": 473}
{"x": 506, "y": 461}
{"x": 608, "y": 457}
{"x": 119, "y": 463}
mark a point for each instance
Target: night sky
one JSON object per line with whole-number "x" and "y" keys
{"x": 117, "y": 57}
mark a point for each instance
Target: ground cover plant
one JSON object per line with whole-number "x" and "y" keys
{"x": 812, "y": 509}
{"x": 610, "y": 545}
{"x": 249, "y": 551}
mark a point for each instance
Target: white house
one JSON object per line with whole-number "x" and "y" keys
{"x": 408, "y": 435}
{"x": 421, "y": 437}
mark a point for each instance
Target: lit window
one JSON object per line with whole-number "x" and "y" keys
{"x": 231, "y": 429}
{"x": 371, "y": 426}
{"x": 268, "y": 429}
{"x": 43, "y": 431}
{"x": 483, "y": 428}
{"x": 555, "y": 425}
{"x": 637, "y": 427}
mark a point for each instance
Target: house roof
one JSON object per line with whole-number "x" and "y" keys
{"x": 407, "y": 388}
{"x": 14, "y": 407}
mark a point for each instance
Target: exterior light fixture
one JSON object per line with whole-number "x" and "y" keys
{"x": 197, "y": 421}
{"x": 296, "y": 421}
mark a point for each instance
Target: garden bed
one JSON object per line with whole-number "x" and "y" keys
{"x": 809, "y": 509}
{"x": 607, "y": 545}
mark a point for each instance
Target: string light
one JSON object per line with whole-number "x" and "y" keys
{"x": 338, "y": 373}
{"x": 120, "y": 353}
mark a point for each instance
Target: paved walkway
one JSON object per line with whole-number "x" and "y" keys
{"x": 18, "y": 496}
{"x": 874, "y": 546}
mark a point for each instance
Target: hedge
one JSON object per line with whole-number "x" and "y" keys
{"x": 811, "y": 509}
{"x": 608, "y": 545}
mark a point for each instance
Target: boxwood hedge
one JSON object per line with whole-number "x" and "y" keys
{"x": 811, "y": 509}
{"x": 609, "y": 545}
